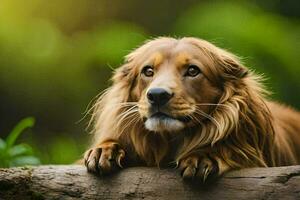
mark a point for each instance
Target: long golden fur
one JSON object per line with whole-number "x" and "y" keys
{"x": 231, "y": 123}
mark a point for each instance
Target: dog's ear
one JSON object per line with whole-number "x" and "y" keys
{"x": 124, "y": 80}
{"x": 231, "y": 66}
{"x": 127, "y": 72}
{"x": 124, "y": 73}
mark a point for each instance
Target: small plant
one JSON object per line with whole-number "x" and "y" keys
{"x": 11, "y": 154}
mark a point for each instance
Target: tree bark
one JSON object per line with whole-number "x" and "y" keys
{"x": 73, "y": 182}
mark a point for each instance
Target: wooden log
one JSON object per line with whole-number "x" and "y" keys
{"x": 73, "y": 182}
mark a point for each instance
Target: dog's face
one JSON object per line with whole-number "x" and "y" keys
{"x": 176, "y": 84}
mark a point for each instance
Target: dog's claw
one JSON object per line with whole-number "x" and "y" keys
{"x": 104, "y": 159}
{"x": 120, "y": 157}
{"x": 197, "y": 168}
{"x": 205, "y": 174}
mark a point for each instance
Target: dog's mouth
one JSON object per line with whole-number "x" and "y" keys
{"x": 164, "y": 116}
{"x": 161, "y": 122}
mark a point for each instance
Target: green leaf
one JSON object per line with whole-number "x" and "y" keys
{"x": 2, "y": 145}
{"x": 19, "y": 150}
{"x": 3, "y": 153}
{"x": 18, "y": 129}
{"x": 24, "y": 160}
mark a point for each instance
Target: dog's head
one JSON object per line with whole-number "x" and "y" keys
{"x": 177, "y": 82}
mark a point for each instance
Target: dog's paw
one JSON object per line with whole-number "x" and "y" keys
{"x": 104, "y": 159}
{"x": 198, "y": 168}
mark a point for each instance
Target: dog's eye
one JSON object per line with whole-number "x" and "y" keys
{"x": 148, "y": 71}
{"x": 192, "y": 71}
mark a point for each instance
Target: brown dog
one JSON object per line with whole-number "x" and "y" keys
{"x": 190, "y": 103}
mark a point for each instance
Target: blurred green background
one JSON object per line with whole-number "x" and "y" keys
{"x": 55, "y": 56}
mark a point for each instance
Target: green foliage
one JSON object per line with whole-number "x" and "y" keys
{"x": 62, "y": 149}
{"x": 12, "y": 154}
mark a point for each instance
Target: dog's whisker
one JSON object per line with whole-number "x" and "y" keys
{"x": 212, "y": 104}
{"x": 129, "y": 103}
{"x": 89, "y": 109}
{"x": 126, "y": 106}
{"x": 195, "y": 118}
{"x": 123, "y": 115}
{"x": 127, "y": 112}
{"x": 125, "y": 124}
{"x": 115, "y": 104}
{"x": 213, "y": 120}
{"x": 134, "y": 120}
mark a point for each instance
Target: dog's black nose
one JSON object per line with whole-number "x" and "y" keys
{"x": 158, "y": 96}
